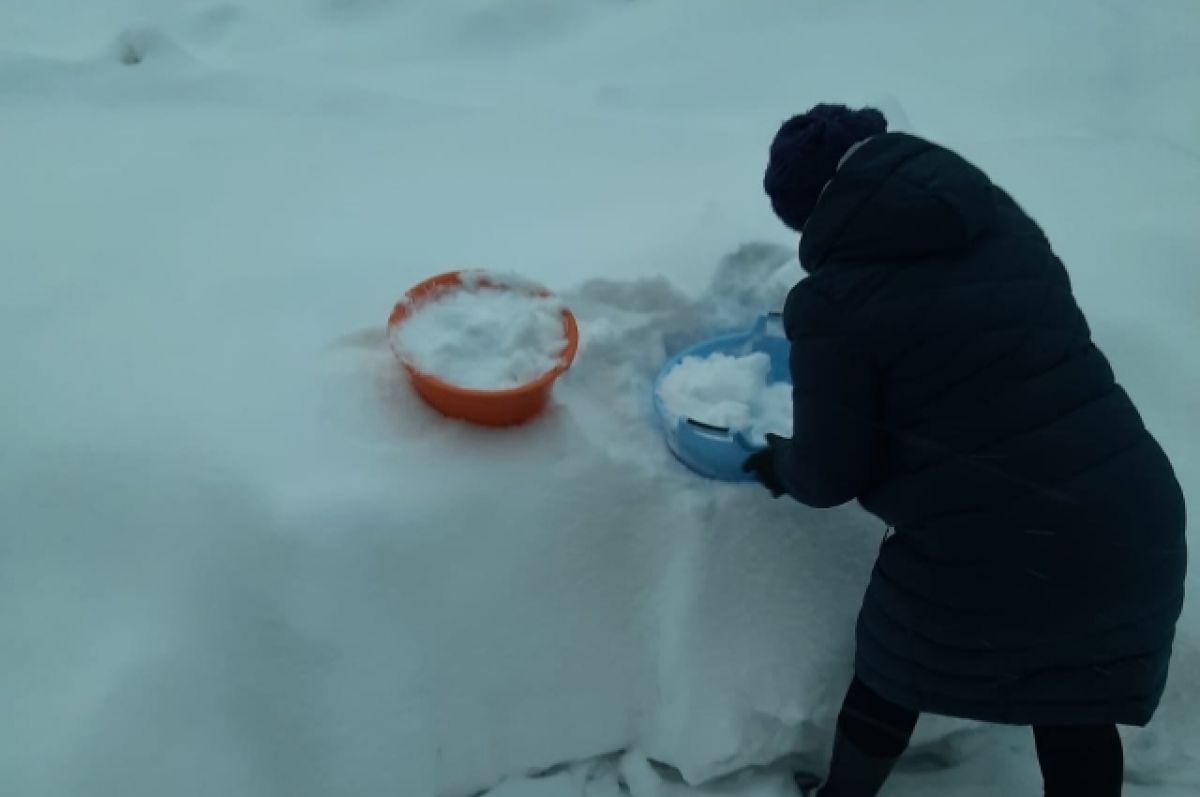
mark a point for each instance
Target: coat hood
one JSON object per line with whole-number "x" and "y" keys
{"x": 899, "y": 197}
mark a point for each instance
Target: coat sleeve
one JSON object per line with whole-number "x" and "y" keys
{"x": 829, "y": 458}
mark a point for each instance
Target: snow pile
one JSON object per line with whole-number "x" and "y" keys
{"x": 730, "y": 391}
{"x": 388, "y": 600}
{"x": 483, "y": 338}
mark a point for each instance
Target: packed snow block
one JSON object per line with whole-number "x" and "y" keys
{"x": 758, "y": 632}
{"x": 573, "y": 590}
{"x": 755, "y": 600}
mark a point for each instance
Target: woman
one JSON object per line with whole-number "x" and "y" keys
{"x": 945, "y": 377}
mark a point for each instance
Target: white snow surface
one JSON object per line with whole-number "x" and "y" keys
{"x": 238, "y": 556}
{"x": 730, "y": 391}
{"x": 483, "y": 339}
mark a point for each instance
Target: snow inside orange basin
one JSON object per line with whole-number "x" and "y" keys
{"x": 506, "y": 407}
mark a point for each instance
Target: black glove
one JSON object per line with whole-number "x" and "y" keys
{"x": 762, "y": 465}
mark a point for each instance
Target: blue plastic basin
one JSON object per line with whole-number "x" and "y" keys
{"x": 713, "y": 451}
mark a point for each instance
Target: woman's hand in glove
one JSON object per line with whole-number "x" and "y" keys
{"x": 762, "y": 465}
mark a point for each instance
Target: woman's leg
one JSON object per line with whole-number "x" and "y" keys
{"x": 876, "y": 725}
{"x": 1081, "y": 760}
{"x": 872, "y": 733}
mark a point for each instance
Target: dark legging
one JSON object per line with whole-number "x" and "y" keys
{"x": 1076, "y": 760}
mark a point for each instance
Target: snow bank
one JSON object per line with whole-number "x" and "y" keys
{"x": 238, "y": 556}
{"x": 388, "y": 599}
{"x": 483, "y": 339}
{"x": 729, "y": 391}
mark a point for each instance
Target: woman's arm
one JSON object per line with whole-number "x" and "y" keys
{"x": 828, "y": 460}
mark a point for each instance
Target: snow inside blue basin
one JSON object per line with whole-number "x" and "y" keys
{"x": 718, "y": 452}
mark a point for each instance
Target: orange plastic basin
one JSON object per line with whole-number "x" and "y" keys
{"x": 506, "y": 407}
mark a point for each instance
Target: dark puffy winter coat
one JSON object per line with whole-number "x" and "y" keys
{"x": 946, "y": 378}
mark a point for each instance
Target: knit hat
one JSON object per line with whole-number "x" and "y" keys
{"x": 805, "y": 156}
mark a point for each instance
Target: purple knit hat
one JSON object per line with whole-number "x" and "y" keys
{"x": 805, "y": 156}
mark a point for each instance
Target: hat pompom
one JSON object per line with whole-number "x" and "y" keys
{"x": 806, "y": 152}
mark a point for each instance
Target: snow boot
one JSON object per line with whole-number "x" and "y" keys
{"x": 853, "y": 772}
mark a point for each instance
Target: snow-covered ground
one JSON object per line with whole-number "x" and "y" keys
{"x": 238, "y": 557}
